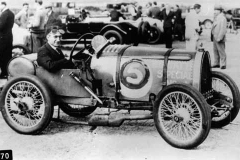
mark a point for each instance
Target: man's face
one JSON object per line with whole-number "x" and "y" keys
{"x": 54, "y": 39}
{"x": 168, "y": 7}
{"x": 216, "y": 12}
{"x": 198, "y": 10}
{"x": 48, "y": 9}
{"x": 175, "y": 8}
{"x": 2, "y": 6}
{"x": 25, "y": 8}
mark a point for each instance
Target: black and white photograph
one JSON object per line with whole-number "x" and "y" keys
{"x": 119, "y": 79}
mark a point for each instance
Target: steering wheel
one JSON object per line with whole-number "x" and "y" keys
{"x": 86, "y": 46}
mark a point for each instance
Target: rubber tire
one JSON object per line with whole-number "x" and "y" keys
{"x": 155, "y": 29}
{"x": 23, "y": 47}
{"x": 204, "y": 108}
{"x": 113, "y": 33}
{"x": 206, "y": 22}
{"x": 48, "y": 103}
{"x": 236, "y": 99}
{"x": 76, "y": 112}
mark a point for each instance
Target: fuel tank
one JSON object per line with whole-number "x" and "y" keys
{"x": 21, "y": 65}
{"x": 141, "y": 70}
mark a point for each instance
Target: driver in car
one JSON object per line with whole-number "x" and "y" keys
{"x": 50, "y": 55}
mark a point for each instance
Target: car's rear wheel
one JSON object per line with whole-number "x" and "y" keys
{"x": 76, "y": 110}
{"x": 182, "y": 116}
{"x": 19, "y": 50}
{"x": 112, "y": 34}
{"x": 225, "y": 99}
{"x": 26, "y": 104}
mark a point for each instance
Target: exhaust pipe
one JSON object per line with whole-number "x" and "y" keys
{"x": 115, "y": 119}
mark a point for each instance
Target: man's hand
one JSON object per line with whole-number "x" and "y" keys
{"x": 76, "y": 62}
{"x": 29, "y": 26}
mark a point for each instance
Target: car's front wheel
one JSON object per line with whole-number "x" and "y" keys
{"x": 26, "y": 104}
{"x": 116, "y": 36}
{"x": 182, "y": 116}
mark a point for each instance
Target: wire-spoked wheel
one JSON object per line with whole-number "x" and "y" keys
{"x": 182, "y": 116}
{"x": 26, "y": 105}
{"x": 225, "y": 99}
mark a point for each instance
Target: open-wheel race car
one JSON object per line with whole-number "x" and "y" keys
{"x": 177, "y": 88}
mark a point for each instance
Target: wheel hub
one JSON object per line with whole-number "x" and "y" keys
{"x": 178, "y": 118}
{"x": 182, "y": 114}
{"x": 26, "y": 103}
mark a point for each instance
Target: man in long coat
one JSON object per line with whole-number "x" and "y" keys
{"x": 168, "y": 17}
{"x": 218, "y": 32}
{"x": 6, "y": 37}
{"x": 37, "y": 27}
{"x": 192, "y": 27}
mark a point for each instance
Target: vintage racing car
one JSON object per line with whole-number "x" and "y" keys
{"x": 177, "y": 88}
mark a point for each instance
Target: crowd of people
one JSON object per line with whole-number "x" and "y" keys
{"x": 185, "y": 29}
{"x": 173, "y": 24}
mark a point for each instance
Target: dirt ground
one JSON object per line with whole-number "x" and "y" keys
{"x": 134, "y": 140}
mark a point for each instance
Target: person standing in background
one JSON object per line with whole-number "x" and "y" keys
{"x": 148, "y": 7}
{"x": 218, "y": 32}
{"x": 132, "y": 10}
{"x": 178, "y": 26}
{"x": 192, "y": 27}
{"x": 6, "y": 37}
{"x": 139, "y": 12}
{"x": 154, "y": 12}
{"x": 115, "y": 14}
{"x": 168, "y": 17}
{"x": 37, "y": 27}
{"x": 22, "y": 18}
{"x": 52, "y": 18}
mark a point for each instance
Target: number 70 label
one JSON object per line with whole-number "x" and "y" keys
{"x": 6, "y": 155}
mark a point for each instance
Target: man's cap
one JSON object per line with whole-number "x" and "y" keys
{"x": 196, "y": 6}
{"x": 218, "y": 7}
{"x": 4, "y": 3}
{"x": 37, "y": 1}
{"x": 55, "y": 30}
{"x": 48, "y": 5}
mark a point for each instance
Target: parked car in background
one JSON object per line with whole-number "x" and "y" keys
{"x": 236, "y": 17}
